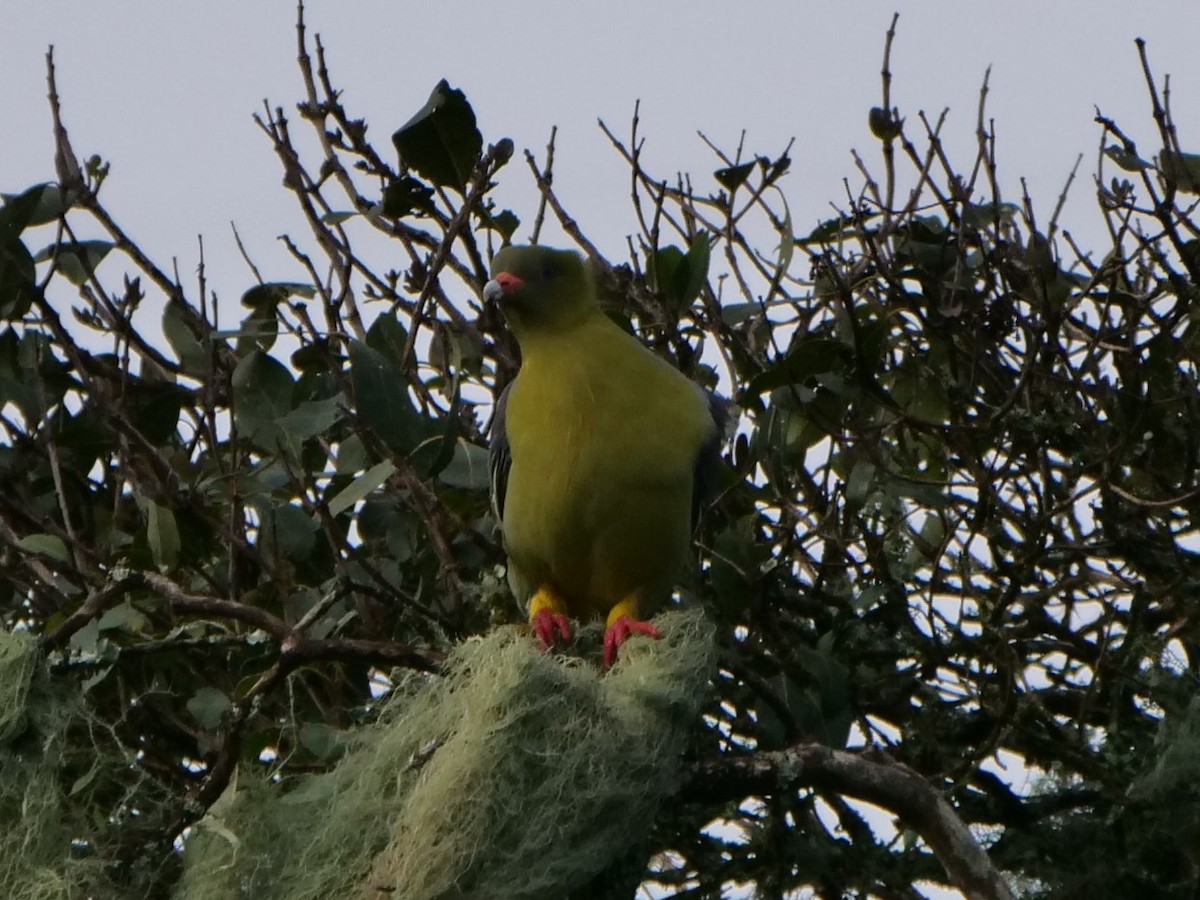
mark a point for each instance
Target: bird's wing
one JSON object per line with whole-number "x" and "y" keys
{"x": 708, "y": 463}
{"x": 500, "y": 454}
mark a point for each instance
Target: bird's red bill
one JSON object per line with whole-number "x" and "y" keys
{"x": 508, "y": 281}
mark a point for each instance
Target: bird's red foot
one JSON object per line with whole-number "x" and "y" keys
{"x": 618, "y": 633}
{"x": 549, "y": 626}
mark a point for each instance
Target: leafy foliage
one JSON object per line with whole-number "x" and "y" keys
{"x": 957, "y": 521}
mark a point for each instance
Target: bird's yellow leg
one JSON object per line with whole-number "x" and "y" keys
{"x": 548, "y": 616}
{"x": 628, "y": 608}
{"x": 622, "y": 622}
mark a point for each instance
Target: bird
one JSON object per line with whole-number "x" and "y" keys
{"x": 601, "y": 455}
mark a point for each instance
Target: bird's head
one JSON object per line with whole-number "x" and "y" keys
{"x": 540, "y": 290}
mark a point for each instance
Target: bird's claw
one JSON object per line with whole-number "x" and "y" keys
{"x": 550, "y": 626}
{"x": 618, "y": 633}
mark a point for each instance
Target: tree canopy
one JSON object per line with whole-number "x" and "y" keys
{"x": 952, "y": 570}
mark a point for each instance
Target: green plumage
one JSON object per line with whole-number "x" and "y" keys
{"x": 596, "y": 446}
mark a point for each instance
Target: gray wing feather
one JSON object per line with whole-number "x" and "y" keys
{"x": 500, "y": 455}
{"x": 708, "y": 463}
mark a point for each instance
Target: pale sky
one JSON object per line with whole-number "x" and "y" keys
{"x": 165, "y": 91}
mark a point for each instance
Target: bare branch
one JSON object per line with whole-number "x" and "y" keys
{"x": 871, "y": 776}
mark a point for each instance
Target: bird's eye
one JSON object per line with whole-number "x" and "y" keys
{"x": 548, "y": 272}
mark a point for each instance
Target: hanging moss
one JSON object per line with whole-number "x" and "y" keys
{"x": 517, "y": 774}
{"x": 39, "y": 820}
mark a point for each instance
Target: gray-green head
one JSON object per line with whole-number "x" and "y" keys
{"x": 540, "y": 289}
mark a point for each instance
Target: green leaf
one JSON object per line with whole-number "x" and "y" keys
{"x": 264, "y": 478}
{"x": 377, "y": 515}
{"x": 1181, "y": 168}
{"x": 663, "y": 266}
{"x": 859, "y": 483}
{"x": 830, "y": 231}
{"x": 789, "y": 431}
{"x": 932, "y": 535}
{"x": 351, "y": 456}
{"x": 193, "y": 356}
{"x": 827, "y": 715}
{"x": 884, "y": 124}
{"x": 927, "y": 495}
{"x": 18, "y": 279}
{"x": 406, "y": 195}
{"x": 738, "y": 553}
{"x": 989, "y": 215}
{"x": 46, "y": 377}
{"x": 774, "y": 169}
{"x": 77, "y": 261}
{"x": 389, "y": 337}
{"x": 38, "y": 205}
{"x": 155, "y": 409}
{"x": 87, "y": 640}
{"x": 125, "y": 617}
{"x": 441, "y": 141}
{"x": 310, "y": 418}
{"x": 15, "y": 386}
{"x": 262, "y": 394}
{"x": 737, "y": 313}
{"x": 680, "y": 276}
{"x": 506, "y": 222}
{"x": 273, "y": 293}
{"x": 732, "y": 177}
{"x": 927, "y": 246}
{"x": 373, "y": 478}
{"x": 1190, "y": 252}
{"x": 869, "y": 597}
{"x": 810, "y": 356}
{"x": 45, "y": 545}
{"x": 162, "y": 534}
{"x": 208, "y": 706}
{"x": 381, "y": 398}
{"x": 313, "y": 359}
{"x": 83, "y": 438}
{"x": 1130, "y": 162}
{"x": 918, "y": 391}
{"x": 457, "y": 347}
{"x": 1039, "y": 257}
{"x": 468, "y": 468}
{"x": 787, "y": 244}
{"x": 690, "y": 282}
{"x": 405, "y": 538}
{"x": 258, "y": 331}
{"x": 285, "y": 529}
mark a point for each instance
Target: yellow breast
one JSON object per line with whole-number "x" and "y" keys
{"x": 604, "y": 439}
